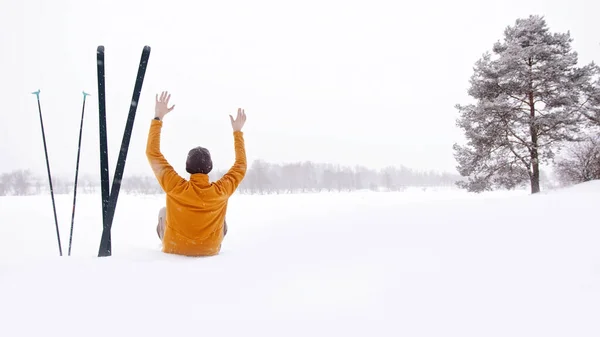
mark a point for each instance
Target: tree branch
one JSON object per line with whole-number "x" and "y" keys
{"x": 562, "y": 121}
{"x": 511, "y": 148}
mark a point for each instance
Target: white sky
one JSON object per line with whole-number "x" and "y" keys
{"x": 371, "y": 83}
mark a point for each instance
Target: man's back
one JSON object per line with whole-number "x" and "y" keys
{"x": 196, "y": 208}
{"x": 195, "y": 217}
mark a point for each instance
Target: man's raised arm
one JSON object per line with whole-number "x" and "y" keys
{"x": 164, "y": 172}
{"x": 232, "y": 179}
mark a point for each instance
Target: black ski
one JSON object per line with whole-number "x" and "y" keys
{"x": 109, "y": 210}
{"x": 104, "y": 177}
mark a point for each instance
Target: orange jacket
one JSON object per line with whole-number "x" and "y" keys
{"x": 195, "y": 208}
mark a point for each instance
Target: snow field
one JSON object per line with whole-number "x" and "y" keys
{"x": 413, "y": 263}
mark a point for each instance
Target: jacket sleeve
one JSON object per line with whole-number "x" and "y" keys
{"x": 164, "y": 172}
{"x": 232, "y": 179}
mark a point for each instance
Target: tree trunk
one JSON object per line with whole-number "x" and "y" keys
{"x": 535, "y": 177}
{"x": 535, "y": 165}
{"x": 533, "y": 129}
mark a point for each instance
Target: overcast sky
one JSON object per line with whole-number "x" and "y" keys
{"x": 371, "y": 83}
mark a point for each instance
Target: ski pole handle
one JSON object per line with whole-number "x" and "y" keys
{"x": 85, "y": 94}
{"x": 36, "y": 93}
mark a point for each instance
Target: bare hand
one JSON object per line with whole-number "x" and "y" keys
{"x": 161, "y": 108}
{"x": 238, "y": 123}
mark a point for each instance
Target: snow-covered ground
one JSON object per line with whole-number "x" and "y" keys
{"x": 414, "y": 263}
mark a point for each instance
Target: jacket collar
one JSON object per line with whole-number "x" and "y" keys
{"x": 200, "y": 179}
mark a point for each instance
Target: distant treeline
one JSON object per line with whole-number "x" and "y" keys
{"x": 261, "y": 178}
{"x": 267, "y": 178}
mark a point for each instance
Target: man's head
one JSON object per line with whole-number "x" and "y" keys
{"x": 198, "y": 161}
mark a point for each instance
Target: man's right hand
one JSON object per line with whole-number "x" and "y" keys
{"x": 238, "y": 123}
{"x": 162, "y": 105}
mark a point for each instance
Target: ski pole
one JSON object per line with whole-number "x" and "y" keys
{"x": 37, "y": 94}
{"x": 77, "y": 171}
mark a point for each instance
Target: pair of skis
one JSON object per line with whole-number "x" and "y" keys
{"x": 109, "y": 197}
{"x": 37, "y": 94}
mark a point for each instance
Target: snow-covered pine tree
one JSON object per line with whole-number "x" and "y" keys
{"x": 529, "y": 98}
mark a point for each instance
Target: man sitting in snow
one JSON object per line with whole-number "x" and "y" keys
{"x": 193, "y": 221}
